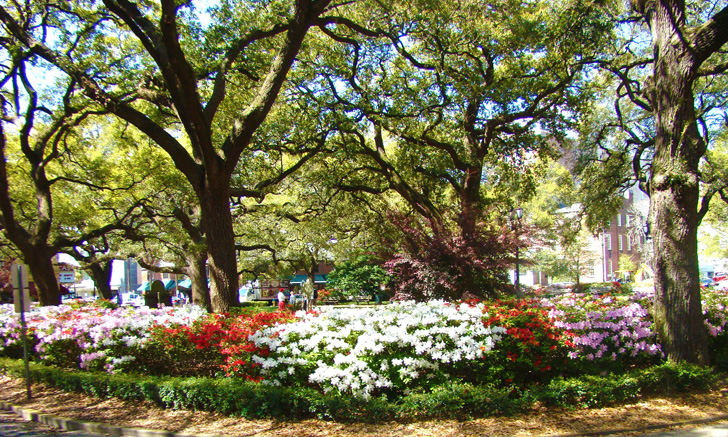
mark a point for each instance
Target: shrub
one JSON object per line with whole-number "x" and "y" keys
{"x": 367, "y": 352}
{"x": 432, "y": 261}
{"x": 532, "y": 350}
{"x": 589, "y": 391}
{"x": 675, "y": 378}
{"x": 444, "y": 401}
{"x": 715, "y": 308}
{"x": 351, "y": 278}
{"x": 609, "y": 334}
{"x": 462, "y": 401}
{"x": 256, "y": 305}
{"x": 217, "y": 342}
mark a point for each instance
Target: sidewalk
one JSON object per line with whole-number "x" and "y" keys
{"x": 708, "y": 431}
{"x": 13, "y": 425}
{"x": 24, "y": 422}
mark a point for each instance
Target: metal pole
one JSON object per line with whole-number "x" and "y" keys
{"x": 604, "y": 256}
{"x": 518, "y": 277}
{"x": 24, "y": 331}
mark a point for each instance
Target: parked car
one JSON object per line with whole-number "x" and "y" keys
{"x": 707, "y": 282}
{"x": 296, "y": 298}
{"x": 560, "y": 287}
{"x": 722, "y": 284}
{"x": 132, "y": 299}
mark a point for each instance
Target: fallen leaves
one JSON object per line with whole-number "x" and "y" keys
{"x": 631, "y": 419}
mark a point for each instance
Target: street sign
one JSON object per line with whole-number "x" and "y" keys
{"x": 67, "y": 277}
{"x": 23, "y": 274}
{"x": 21, "y": 298}
{"x": 25, "y": 301}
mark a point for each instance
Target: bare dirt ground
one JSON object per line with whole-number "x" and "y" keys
{"x": 627, "y": 420}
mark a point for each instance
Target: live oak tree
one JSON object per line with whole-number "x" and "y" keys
{"x": 109, "y": 172}
{"x": 306, "y": 222}
{"x": 667, "y": 100}
{"x": 448, "y": 104}
{"x": 158, "y": 68}
{"x": 42, "y": 185}
{"x": 173, "y": 240}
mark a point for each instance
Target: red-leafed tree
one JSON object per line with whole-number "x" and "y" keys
{"x": 6, "y": 285}
{"x": 435, "y": 262}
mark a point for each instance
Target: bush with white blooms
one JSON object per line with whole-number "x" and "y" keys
{"x": 369, "y": 351}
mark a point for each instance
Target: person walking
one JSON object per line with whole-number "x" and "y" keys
{"x": 281, "y": 300}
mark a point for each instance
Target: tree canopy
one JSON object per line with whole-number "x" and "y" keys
{"x": 247, "y": 134}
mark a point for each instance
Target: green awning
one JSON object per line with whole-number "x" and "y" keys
{"x": 186, "y": 284}
{"x": 144, "y": 287}
{"x": 298, "y": 279}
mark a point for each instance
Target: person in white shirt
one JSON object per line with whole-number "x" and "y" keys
{"x": 281, "y": 300}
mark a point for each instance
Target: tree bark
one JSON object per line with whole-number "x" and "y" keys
{"x": 40, "y": 264}
{"x": 197, "y": 272}
{"x": 674, "y": 179}
{"x": 101, "y": 275}
{"x": 217, "y": 223}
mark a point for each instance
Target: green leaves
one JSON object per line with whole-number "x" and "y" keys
{"x": 356, "y": 277}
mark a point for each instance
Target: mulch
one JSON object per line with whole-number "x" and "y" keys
{"x": 625, "y": 420}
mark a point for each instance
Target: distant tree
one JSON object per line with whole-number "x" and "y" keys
{"x": 569, "y": 260}
{"x": 359, "y": 276}
{"x": 627, "y": 264}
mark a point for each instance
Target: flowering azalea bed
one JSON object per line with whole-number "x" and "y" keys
{"x": 389, "y": 349}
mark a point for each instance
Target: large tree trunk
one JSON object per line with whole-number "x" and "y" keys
{"x": 470, "y": 201}
{"x": 101, "y": 275}
{"x": 197, "y": 272}
{"x": 36, "y": 252}
{"x": 675, "y": 192}
{"x": 218, "y": 226}
{"x": 40, "y": 264}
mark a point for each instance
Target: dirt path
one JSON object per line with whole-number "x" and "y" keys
{"x": 540, "y": 421}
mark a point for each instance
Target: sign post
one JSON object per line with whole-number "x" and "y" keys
{"x": 21, "y": 298}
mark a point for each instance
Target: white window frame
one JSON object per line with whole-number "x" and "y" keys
{"x": 619, "y": 220}
{"x": 619, "y": 242}
{"x": 591, "y": 269}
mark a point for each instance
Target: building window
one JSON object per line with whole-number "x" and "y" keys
{"x": 619, "y": 220}
{"x": 627, "y": 220}
{"x": 608, "y": 241}
{"x": 629, "y": 243}
{"x": 619, "y": 243}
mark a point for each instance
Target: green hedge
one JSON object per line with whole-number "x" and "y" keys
{"x": 244, "y": 307}
{"x": 453, "y": 401}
